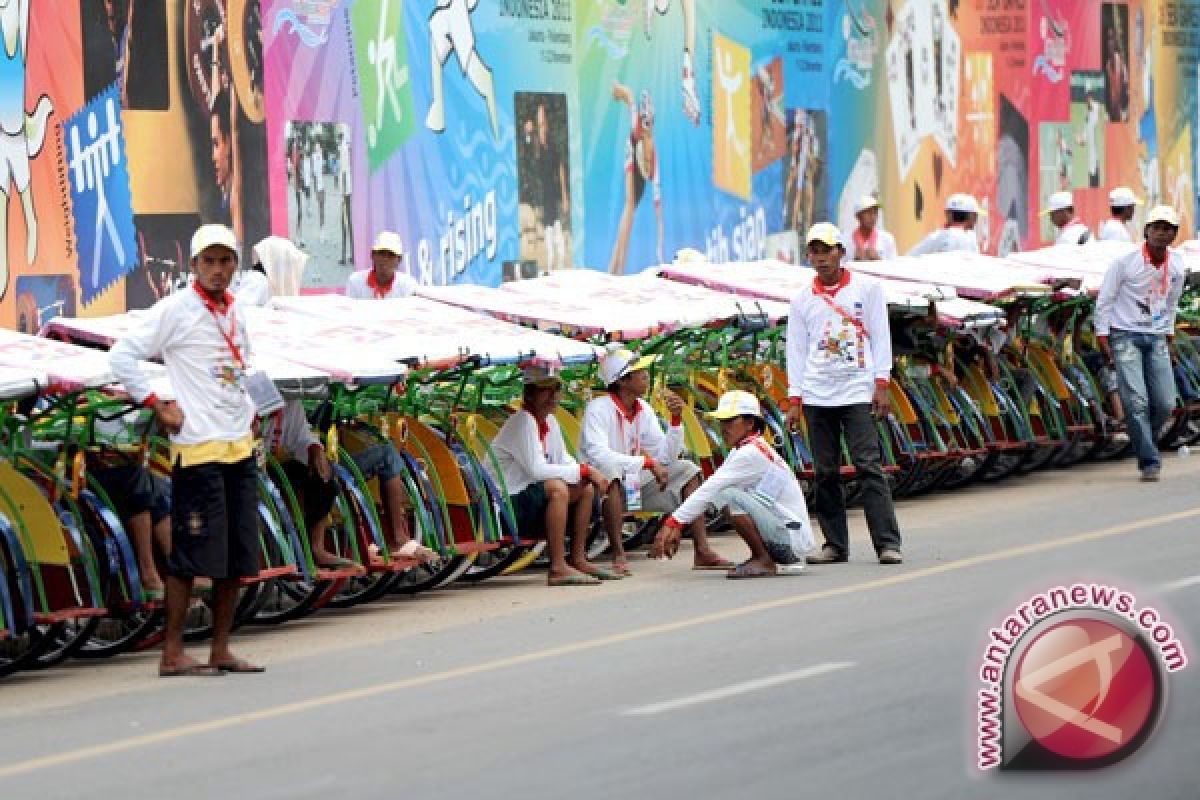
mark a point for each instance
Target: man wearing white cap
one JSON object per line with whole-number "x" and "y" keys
{"x": 1135, "y": 323}
{"x": 1061, "y": 210}
{"x": 962, "y": 213}
{"x": 547, "y": 487}
{"x": 869, "y": 241}
{"x": 839, "y": 365}
{"x": 202, "y": 340}
{"x": 1122, "y": 203}
{"x": 384, "y": 278}
{"x": 758, "y": 488}
{"x": 622, "y": 439}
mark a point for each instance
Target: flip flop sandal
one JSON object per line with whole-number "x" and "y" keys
{"x": 414, "y": 549}
{"x": 573, "y": 580}
{"x": 240, "y": 667}
{"x": 190, "y": 671}
{"x": 154, "y": 595}
{"x": 605, "y": 575}
{"x": 747, "y": 570}
{"x": 622, "y": 569}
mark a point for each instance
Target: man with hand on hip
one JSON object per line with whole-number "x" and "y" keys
{"x": 839, "y": 363}
{"x": 1135, "y": 322}
{"x": 202, "y": 340}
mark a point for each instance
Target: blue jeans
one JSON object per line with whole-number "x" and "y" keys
{"x": 1147, "y": 384}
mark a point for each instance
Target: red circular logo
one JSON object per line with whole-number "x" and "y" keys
{"x": 1085, "y": 688}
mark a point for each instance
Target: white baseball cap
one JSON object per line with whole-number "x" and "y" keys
{"x": 389, "y": 242}
{"x": 1058, "y": 201}
{"x": 965, "y": 203}
{"x": 1122, "y": 197}
{"x": 865, "y": 202}
{"x": 825, "y": 232}
{"x": 1163, "y": 214}
{"x": 737, "y": 403}
{"x": 542, "y": 376}
{"x": 619, "y": 362}
{"x": 207, "y": 236}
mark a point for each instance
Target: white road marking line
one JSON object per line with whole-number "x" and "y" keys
{"x": 738, "y": 688}
{"x": 1183, "y": 583}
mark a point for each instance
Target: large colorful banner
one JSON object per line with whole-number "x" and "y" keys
{"x": 505, "y": 138}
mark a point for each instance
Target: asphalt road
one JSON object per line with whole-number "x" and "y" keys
{"x": 850, "y": 681}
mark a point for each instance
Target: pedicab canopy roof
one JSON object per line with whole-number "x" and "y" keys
{"x": 438, "y": 334}
{"x": 780, "y": 281}
{"x": 104, "y": 331}
{"x": 972, "y": 275}
{"x": 62, "y": 366}
{"x": 18, "y": 382}
{"x": 585, "y": 303}
{"x": 1090, "y": 261}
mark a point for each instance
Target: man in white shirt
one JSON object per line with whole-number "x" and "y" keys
{"x": 758, "y": 488}
{"x": 546, "y": 486}
{"x": 869, "y": 241}
{"x": 1135, "y": 323}
{"x": 384, "y": 278}
{"x": 962, "y": 214}
{"x": 202, "y": 340}
{"x": 623, "y": 440}
{"x": 1122, "y": 202}
{"x": 839, "y": 364}
{"x": 1061, "y": 210}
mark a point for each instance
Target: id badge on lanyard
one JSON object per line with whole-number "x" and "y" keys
{"x": 633, "y": 490}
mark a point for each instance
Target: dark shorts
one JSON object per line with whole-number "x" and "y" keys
{"x": 134, "y": 490}
{"x": 379, "y": 461}
{"x": 316, "y": 495}
{"x": 529, "y": 507}
{"x": 214, "y": 526}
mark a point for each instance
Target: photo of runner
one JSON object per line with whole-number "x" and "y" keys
{"x": 641, "y": 167}
{"x": 319, "y": 192}
{"x": 1114, "y": 56}
{"x": 544, "y": 179}
{"x": 687, "y": 85}
{"x": 803, "y": 172}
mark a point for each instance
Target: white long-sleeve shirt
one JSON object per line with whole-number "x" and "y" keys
{"x": 744, "y": 468}
{"x": 946, "y": 240}
{"x": 832, "y": 361}
{"x": 609, "y": 436}
{"x": 883, "y": 243}
{"x": 287, "y": 431}
{"x": 1114, "y": 230}
{"x": 525, "y": 456}
{"x": 359, "y": 286}
{"x": 1139, "y": 297}
{"x": 1073, "y": 233}
{"x": 207, "y": 378}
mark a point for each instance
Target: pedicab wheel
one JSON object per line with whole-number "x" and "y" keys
{"x": 65, "y": 640}
{"x": 118, "y": 634}
{"x": 964, "y": 472}
{"x": 283, "y": 599}
{"x": 424, "y": 577}
{"x": 363, "y": 589}
{"x": 198, "y": 624}
{"x": 1004, "y": 463}
{"x": 492, "y": 563}
{"x": 532, "y": 555}
{"x": 21, "y": 651}
{"x": 1040, "y": 457}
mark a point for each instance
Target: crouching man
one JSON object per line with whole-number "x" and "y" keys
{"x": 623, "y": 440}
{"x": 758, "y": 488}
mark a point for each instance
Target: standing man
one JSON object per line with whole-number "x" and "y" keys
{"x": 1135, "y": 323}
{"x": 1061, "y": 210}
{"x": 962, "y": 214}
{"x": 871, "y": 242}
{"x": 384, "y": 278}
{"x": 1121, "y": 202}
{"x": 839, "y": 363}
{"x": 556, "y": 202}
{"x": 624, "y": 441}
{"x": 202, "y": 340}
